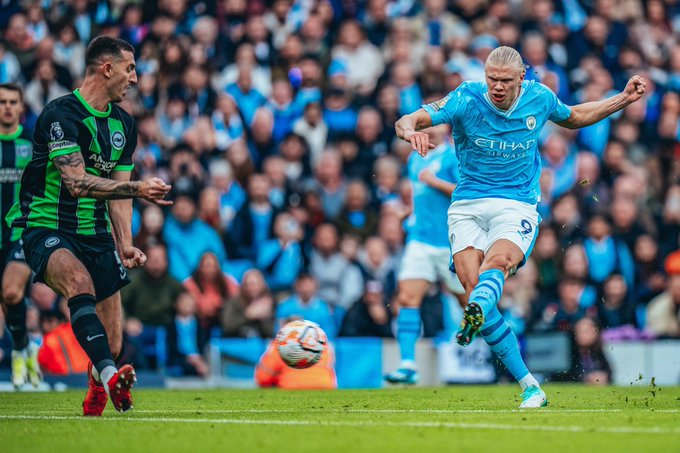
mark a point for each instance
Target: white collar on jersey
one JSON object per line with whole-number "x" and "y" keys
{"x": 507, "y": 112}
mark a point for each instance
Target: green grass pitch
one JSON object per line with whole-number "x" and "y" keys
{"x": 448, "y": 419}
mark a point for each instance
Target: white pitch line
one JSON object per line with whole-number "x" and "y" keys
{"x": 333, "y": 423}
{"x": 382, "y": 411}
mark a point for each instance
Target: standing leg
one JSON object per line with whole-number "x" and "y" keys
{"x": 68, "y": 276}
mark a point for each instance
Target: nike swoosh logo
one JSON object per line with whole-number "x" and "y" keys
{"x": 90, "y": 338}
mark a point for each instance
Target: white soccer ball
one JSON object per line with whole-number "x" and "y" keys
{"x": 301, "y": 343}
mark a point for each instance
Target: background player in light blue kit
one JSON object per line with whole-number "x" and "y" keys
{"x": 493, "y": 220}
{"x": 427, "y": 255}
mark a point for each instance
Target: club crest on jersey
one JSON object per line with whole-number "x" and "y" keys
{"x": 438, "y": 105}
{"x": 56, "y": 132}
{"x": 531, "y": 123}
{"x": 24, "y": 150}
{"x": 118, "y": 140}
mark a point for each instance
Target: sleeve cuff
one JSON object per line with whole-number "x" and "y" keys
{"x": 61, "y": 152}
{"x": 124, "y": 167}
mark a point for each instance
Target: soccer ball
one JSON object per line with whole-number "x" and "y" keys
{"x": 301, "y": 343}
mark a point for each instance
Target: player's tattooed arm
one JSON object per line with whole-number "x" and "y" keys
{"x": 82, "y": 184}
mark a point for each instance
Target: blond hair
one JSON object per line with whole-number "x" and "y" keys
{"x": 506, "y": 56}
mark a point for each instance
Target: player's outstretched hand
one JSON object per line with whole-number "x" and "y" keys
{"x": 635, "y": 88}
{"x": 132, "y": 257}
{"x": 420, "y": 142}
{"x": 155, "y": 190}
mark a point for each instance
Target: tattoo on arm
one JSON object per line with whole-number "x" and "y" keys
{"x": 81, "y": 184}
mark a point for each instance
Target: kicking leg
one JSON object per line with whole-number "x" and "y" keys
{"x": 409, "y": 297}
{"x": 501, "y": 258}
{"x": 483, "y": 315}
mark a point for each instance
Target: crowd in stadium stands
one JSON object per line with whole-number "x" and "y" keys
{"x": 274, "y": 122}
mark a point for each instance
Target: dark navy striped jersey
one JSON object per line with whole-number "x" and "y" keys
{"x": 66, "y": 125}
{"x": 15, "y": 153}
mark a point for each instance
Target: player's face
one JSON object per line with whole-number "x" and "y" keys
{"x": 123, "y": 76}
{"x": 504, "y": 84}
{"x": 11, "y": 108}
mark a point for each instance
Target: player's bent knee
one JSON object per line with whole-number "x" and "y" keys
{"x": 408, "y": 299}
{"x": 12, "y": 294}
{"x": 503, "y": 262}
{"x": 80, "y": 283}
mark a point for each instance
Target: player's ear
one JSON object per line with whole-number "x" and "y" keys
{"x": 107, "y": 69}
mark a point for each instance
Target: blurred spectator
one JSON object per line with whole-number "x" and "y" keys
{"x": 357, "y": 217}
{"x": 295, "y": 153}
{"x": 175, "y": 119}
{"x": 376, "y": 265}
{"x": 274, "y": 167}
{"x": 564, "y": 311}
{"x": 589, "y": 364}
{"x": 60, "y": 353}
{"x": 567, "y": 218}
{"x": 312, "y": 126}
{"x": 610, "y": 253}
{"x": 306, "y": 304}
{"x": 188, "y": 238}
{"x": 186, "y": 172}
{"x": 250, "y": 313}
{"x": 254, "y": 221}
{"x": 210, "y": 288}
{"x": 151, "y": 231}
{"x": 616, "y": 307}
{"x": 364, "y": 61}
{"x": 227, "y": 122}
{"x": 663, "y": 312}
{"x": 626, "y": 220}
{"x": 280, "y": 258}
{"x": 649, "y": 278}
{"x": 43, "y": 87}
{"x": 11, "y": 69}
{"x": 546, "y": 257}
{"x": 186, "y": 339}
{"x": 339, "y": 280}
{"x": 339, "y": 114}
{"x": 247, "y": 97}
{"x": 232, "y": 195}
{"x": 369, "y": 315}
{"x": 331, "y": 183}
{"x": 69, "y": 50}
{"x": 148, "y": 303}
{"x": 150, "y": 298}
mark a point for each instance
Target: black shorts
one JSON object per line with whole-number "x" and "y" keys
{"x": 11, "y": 251}
{"x": 97, "y": 253}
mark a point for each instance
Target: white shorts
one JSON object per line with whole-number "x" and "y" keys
{"x": 425, "y": 262}
{"x": 479, "y": 223}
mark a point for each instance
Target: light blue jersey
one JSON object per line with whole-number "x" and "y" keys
{"x": 428, "y": 223}
{"x": 497, "y": 149}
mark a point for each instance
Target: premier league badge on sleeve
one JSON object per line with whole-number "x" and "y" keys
{"x": 56, "y": 132}
{"x": 438, "y": 105}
